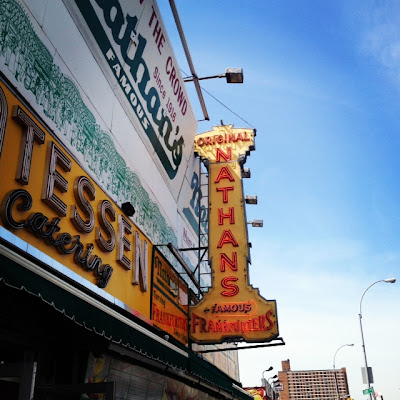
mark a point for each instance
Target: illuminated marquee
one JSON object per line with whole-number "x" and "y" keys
{"x": 49, "y": 202}
{"x": 170, "y": 297}
{"x": 232, "y": 309}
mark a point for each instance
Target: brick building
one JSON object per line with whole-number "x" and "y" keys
{"x": 325, "y": 384}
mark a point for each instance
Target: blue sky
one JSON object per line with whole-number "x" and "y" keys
{"x": 322, "y": 88}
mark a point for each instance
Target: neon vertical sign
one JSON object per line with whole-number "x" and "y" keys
{"x": 232, "y": 309}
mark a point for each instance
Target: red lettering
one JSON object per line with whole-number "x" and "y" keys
{"x": 153, "y": 14}
{"x": 225, "y": 260}
{"x": 230, "y": 215}
{"x": 271, "y": 323}
{"x": 180, "y": 96}
{"x": 218, "y": 326}
{"x": 157, "y": 34}
{"x": 256, "y": 325}
{"x": 172, "y": 76}
{"x": 227, "y": 237}
{"x": 226, "y": 156}
{"x": 168, "y": 64}
{"x": 196, "y": 320}
{"x": 211, "y": 326}
{"x": 262, "y": 323}
{"x": 224, "y": 173}
{"x": 233, "y": 289}
{"x": 225, "y": 192}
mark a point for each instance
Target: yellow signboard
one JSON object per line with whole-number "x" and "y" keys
{"x": 170, "y": 297}
{"x": 232, "y": 309}
{"x": 51, "y": 203}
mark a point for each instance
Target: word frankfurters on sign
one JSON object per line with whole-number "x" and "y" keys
{"x": 232, "y": 309}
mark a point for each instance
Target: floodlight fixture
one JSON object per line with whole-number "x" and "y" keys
{"x": 251, "y": 199}
{"x": 246, "y": 173}
{"x": 263, "y": 380}
{"x": 232, "y": 75}
{"x": 128, "y": 209}
{"x": 256, "y": 223}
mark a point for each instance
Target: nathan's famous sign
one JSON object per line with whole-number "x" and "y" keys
{"x": 232, "y": 309}
{"x": 129, "y": 40}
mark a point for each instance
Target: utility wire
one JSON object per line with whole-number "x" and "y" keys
{"x": 222, "y": 104}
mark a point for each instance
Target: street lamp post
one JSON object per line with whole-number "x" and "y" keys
{"x": 334, "y": 370}
{"x": 270, "y": 391}
{"x": 263, "y": 380}
{"x": 275, "y": 393}
{"x": 390, "y": 280}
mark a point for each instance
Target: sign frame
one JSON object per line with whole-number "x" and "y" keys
{"x": 232, "y": 309}
{"x": 172, "y": 324}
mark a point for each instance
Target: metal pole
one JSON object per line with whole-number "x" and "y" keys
{"x": 189, "y": 59}
{"x": 365, "y": 354}
{"x": 336, "y": 385}
{"x": 390, "y": 280}
{"x": 334, "y": 369}
{"x": 263, "y": 380}
{"x": 270, "y": 389}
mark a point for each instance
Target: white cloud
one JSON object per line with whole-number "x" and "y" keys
{"x": 381, "y": 37}
{"x": 318, "y": 287}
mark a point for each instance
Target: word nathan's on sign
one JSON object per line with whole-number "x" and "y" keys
{"x": 232, "y": 309}
{"x": 155, "y": 93}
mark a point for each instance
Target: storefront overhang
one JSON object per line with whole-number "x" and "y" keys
{"x": 25, "y": 269}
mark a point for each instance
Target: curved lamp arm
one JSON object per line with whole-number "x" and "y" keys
{"x": 352, "y": 344}
{"x": 389, "y": 280}
{"x": 272, "y": 377}
{"x": 265, "y": 370}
